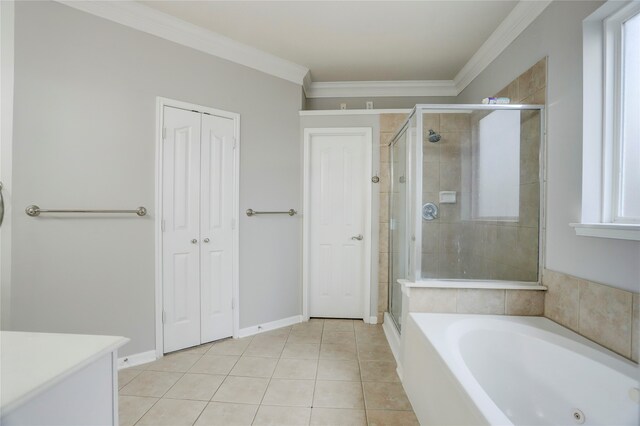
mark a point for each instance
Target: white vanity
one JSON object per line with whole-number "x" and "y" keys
{"x": 58, "y": 379}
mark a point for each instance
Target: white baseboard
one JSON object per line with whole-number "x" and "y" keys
{"x": 261, "y": 328}
{"x": 373, "y": 320}
{"x": 393, "y": 337}
{"x": 136, "y": 359}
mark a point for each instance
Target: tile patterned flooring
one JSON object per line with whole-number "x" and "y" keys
{"x": 322, "y": 372}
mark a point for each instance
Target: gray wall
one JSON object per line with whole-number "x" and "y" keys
{"x": 372, "y": 121}
{"x": 85, "y": 92}
{"x": 558, "y": 33}
{"x": 378, "y": 103}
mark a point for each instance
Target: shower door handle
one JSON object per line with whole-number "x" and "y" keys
{"x": 1, "y": 205}
{"x": 358, "y": 237}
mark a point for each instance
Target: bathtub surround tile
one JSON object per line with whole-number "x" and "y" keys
{"x": 385, "y": 396}
{"x": 199, "y": 387}
{"x": 391, "y": 418}
{"x": 562, "y": 299}
{"x": 224, "y": 414}
{"x": 173, "y": 412}
{"x": 475, "y": 301}
{"x": 151, "y": 383}
{"x": 522, "y": 302}
{"x": 282, "y": 416}
{"x": 435, "y": 300}
{"x": 605, "y": 316}
{"x": 337, "y": 416}
{"x": 243, "y": 390}
{"x": 132, "y": 408}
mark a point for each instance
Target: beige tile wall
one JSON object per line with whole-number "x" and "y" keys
{"x": 606, "y": 315}
{"x": 477, "y": 301}
{"x": 496, "y": 251}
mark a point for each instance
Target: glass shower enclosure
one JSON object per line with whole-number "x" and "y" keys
{"x": 465, "y": 202}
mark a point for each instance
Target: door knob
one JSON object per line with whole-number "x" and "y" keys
{"x": 206, "y": 240}
{"x": 358, "y": 237}
{"x": 194, "y": 241}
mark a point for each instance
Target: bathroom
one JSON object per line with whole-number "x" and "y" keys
{"x": 84, "y": 87}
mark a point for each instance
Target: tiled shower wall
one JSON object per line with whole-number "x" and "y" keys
{"x": 496, "y": 251}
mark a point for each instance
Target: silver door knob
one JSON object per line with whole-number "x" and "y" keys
{"x": 194, "y": 241}
{"x": 358, "y": 237}
{"x": 206, "y": 240}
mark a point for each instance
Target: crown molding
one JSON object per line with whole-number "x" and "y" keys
{"x": 360, "y": 89}
{"x": 522, "y": 15}
{"x": 151, "y": 21}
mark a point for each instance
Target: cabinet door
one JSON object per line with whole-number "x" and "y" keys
{"x": 216, "y": 213}
{"x": 181, "y": 215}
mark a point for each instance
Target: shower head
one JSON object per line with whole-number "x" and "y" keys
{"x": 433, "y": 136}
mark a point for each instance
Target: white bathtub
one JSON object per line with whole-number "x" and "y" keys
{"x": 505, "y": 370}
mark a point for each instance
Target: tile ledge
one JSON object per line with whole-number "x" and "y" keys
{"x": 486, "y": 285}
{"x": 620, "y": 231}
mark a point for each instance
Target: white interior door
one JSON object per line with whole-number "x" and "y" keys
{"x": 337, "y": 213}
{"x": 216, "y": 208}
{"x": 181, "y": 215}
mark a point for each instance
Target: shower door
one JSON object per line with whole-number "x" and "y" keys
{"x": 398, "y": 252}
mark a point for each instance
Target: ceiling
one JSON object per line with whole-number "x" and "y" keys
{"x": 354, "y": 40}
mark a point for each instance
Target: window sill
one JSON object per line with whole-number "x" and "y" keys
{"x": 618, "y": 231}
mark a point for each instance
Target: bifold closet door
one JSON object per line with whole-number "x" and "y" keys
{"x": 216, "y": 207}
{"x": 181, "y": 215}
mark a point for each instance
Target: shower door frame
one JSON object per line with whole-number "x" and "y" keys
{"x": 414, "y": 199}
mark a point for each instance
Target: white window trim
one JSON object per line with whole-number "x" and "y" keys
{"x": 601, "y": 110}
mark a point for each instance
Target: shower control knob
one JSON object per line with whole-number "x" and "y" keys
{"x": 194, "y": 241}
{"x": 206, "y": 240}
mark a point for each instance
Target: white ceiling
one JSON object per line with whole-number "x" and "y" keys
{"x": 354, "y": 40}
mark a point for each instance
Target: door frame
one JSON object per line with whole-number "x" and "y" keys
{"x": 160, "y": 104}
{"x": 367, "y": 133}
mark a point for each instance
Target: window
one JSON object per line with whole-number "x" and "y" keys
{"x": 627, "y": 167}
{"x": 496, "y": 167}
{"x": 611, "y": 122}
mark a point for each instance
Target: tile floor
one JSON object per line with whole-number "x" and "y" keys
{"x": 322, "y": 372}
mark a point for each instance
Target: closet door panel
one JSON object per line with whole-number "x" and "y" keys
{"x": 181, "y": 215}
{"x": 216, "y": 209}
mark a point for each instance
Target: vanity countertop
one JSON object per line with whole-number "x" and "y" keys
{"x": 33, "y": 362}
